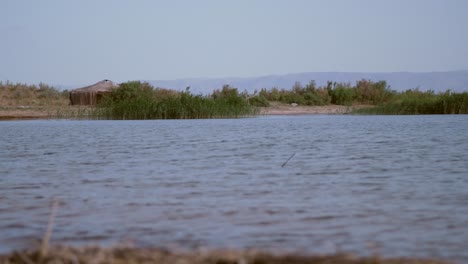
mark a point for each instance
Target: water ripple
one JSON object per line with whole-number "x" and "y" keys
{"x": 397, "y": 183}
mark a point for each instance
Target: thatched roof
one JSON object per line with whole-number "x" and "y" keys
{"x": 102, "y": 86}
{"x": 91, "y": 95}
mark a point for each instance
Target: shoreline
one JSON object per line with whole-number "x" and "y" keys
{"x": 60, "y": 112}
{"x": 29, "y": 112}
{"x": 285, "y": 109}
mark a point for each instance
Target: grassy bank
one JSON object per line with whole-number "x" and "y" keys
{"x": 24, "y": 101}
{"x": 415, "y": 102}
{"x": 368, "y": 93}
{"x": 19, "y": 94}
{"x": 131, "y": 255}
{"x": 136, "y": 100}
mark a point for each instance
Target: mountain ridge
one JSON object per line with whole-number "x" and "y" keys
{"x": 438, "y": 81}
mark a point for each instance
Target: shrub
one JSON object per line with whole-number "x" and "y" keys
{"x": 369, "y": 92}
{"x": 342, "y": 94}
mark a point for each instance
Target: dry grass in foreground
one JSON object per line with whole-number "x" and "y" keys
{"x": 131, "y": 255}
{"x": 22, "y": 101}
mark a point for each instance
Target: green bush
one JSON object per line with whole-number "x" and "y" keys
{"x": 342, "y": 94}
{"x": 131, "y": 100}
{"x": 259, "y": 101}
{"x": 299, "y": 94}
{"x": 135, "y": 100}
{"x": 368, "y": 92}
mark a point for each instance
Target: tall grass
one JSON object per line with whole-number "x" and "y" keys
{"x": 136, "y": 100}
{"x": 414, "y": 102}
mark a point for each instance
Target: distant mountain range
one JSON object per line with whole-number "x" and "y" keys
{"x": 437, "y": 81}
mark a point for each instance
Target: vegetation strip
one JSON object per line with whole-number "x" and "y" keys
{"x": 136, "y": 100}
{"x": 161, "y": 256}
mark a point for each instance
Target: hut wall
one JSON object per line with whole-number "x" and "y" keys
{"x": 83, "y": 98}
{"x": 86, "y": 98}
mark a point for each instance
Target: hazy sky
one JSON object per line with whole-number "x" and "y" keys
{"x": 81, "y": 42}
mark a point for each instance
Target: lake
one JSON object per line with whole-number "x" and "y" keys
{"x": 388, "y": 185}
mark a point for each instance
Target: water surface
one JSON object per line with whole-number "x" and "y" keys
{"x": 393, "y": 185}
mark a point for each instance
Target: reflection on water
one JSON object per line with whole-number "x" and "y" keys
{"x": 396, "y": 185}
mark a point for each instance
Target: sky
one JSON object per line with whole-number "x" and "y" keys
{"x": 81, "y": 42}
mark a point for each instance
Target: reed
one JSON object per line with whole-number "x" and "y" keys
{"x": 136, "y": 100}
{"x": 75, "y": 112}
{"x": 415, "y": 102}
{"x": 45, "y": 241}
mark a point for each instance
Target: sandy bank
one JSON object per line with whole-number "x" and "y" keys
{"x": 25, "y": 112}
{"x": 39, "y": 112}
{"x": 285, "y": 109}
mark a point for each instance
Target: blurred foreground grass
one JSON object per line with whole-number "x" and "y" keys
{"x": 131, "y": 255}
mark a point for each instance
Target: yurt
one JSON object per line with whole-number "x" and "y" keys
{"x": 91, "y": 95}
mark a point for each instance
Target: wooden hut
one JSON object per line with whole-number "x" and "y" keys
{"x": 91, "y": 95}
